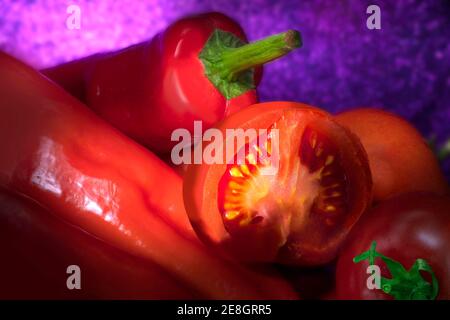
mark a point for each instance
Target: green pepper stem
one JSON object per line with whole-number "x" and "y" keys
{"x": 233, "y": 61}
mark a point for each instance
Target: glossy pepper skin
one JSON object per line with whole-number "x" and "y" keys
{"x": 37, "y": 247}
{"x": 57, "y": 152}
{"x": 152, "y": 88}
{"x": 72, "y": 75}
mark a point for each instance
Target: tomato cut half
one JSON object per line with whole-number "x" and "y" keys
{"x": 290, "y": 193}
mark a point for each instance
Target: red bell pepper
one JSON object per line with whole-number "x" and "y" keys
{"x": 37, "y": 247}
{"x": 199, "y": 68}
{"x": 57, "y": 152}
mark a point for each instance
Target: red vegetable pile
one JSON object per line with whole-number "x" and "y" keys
{"x": 125, "y": 165}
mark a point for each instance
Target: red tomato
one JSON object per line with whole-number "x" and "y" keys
{"x": 405, "y": 228}
{"x": 298, "y": 212}
{"x": 400, "y": 159}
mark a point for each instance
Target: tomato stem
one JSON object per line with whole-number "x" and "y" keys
{"x": 405, "y": 284}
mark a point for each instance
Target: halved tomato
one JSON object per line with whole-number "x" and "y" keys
{"x": 289, "y": 194}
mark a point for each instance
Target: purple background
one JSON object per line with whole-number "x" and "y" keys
{"x": 404, "y": 67}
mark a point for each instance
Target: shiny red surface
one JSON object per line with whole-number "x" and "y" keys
{"x": 155, "y": 87}
{"x": 37, "y": 247}
{"x": 59, "y": 153}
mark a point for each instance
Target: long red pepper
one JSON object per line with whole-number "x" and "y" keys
{"x": 37, "y": 248}
{"x": 199, "y": 68}
{"x": 59, "y": 153}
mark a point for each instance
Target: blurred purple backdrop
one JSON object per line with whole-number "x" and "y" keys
{"x": 404, "y": 67}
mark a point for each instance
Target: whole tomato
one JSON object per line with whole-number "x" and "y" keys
{"x": 412, "y": 237}
{"x": 399, "y": 157}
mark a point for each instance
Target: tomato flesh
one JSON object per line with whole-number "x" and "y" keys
{"x": 319, "y": 155}
{"x": 289, "y": 199}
